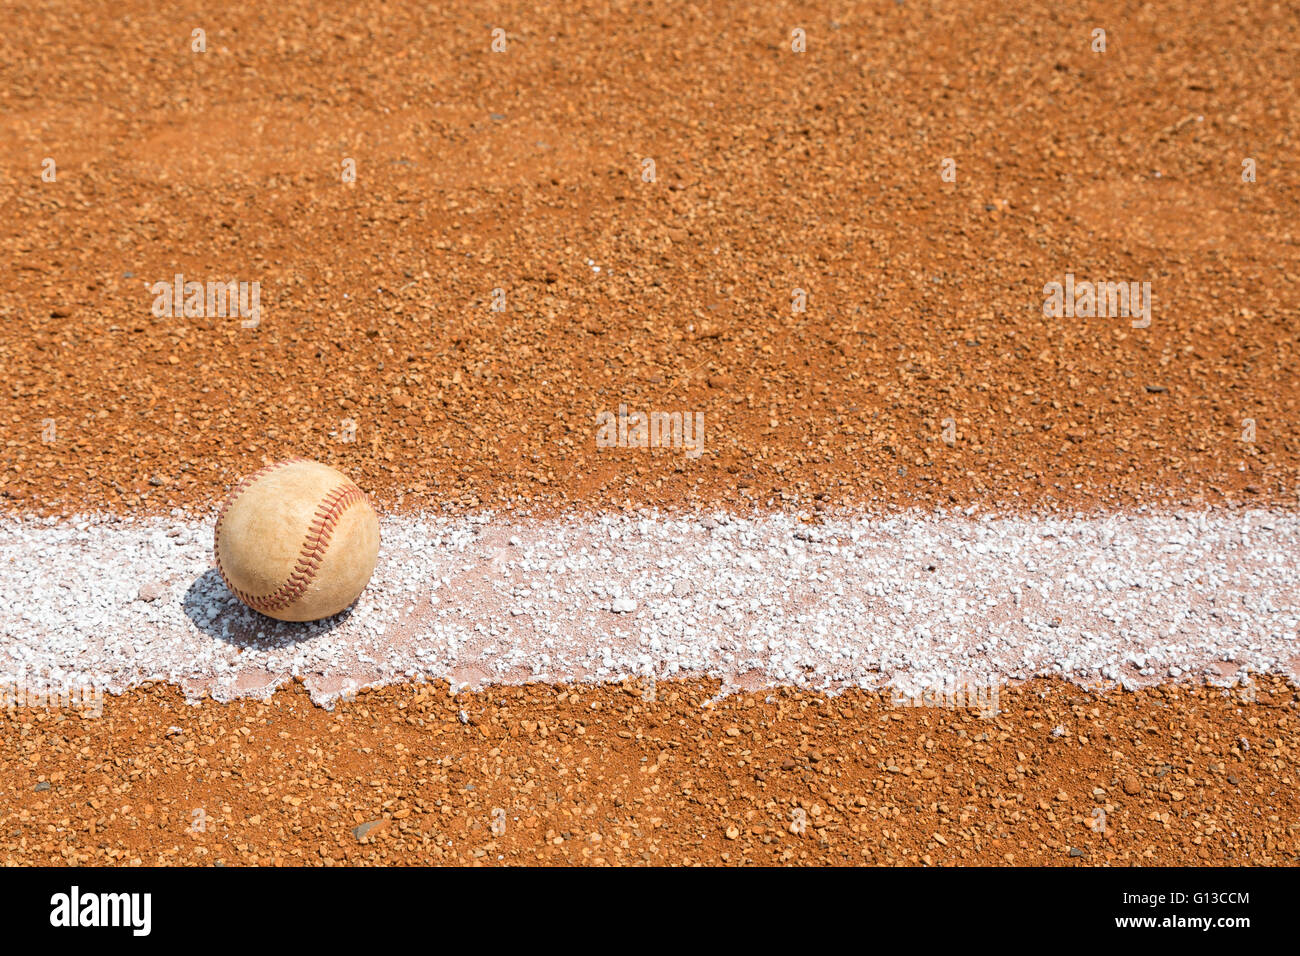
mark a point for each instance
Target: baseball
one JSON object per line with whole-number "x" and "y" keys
{"x": 296, "y": 541}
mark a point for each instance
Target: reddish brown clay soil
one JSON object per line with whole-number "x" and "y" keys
{"x": 597, "y": 775}
{"x": 522, "y": 171}
{"x": 774, "y": 171}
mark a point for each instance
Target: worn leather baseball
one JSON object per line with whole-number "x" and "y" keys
{"x": 297, "y": 540}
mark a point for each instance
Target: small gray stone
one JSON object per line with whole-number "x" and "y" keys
{"x": 365, "y": 828}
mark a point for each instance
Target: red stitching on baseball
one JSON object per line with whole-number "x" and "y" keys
{"x": 312, "y": 554}
{"x": 243, "y": 486}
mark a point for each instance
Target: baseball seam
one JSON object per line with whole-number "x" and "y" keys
{"x": 315, "y": 544}
{"x": 244, "y": 484}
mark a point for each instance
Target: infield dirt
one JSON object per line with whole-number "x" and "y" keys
{"x": 447, "y": 328}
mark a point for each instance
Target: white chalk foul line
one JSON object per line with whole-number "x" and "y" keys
{"x": 912, "y": 601}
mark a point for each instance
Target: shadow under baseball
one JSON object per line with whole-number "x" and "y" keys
{"x": 222, "y": 616}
